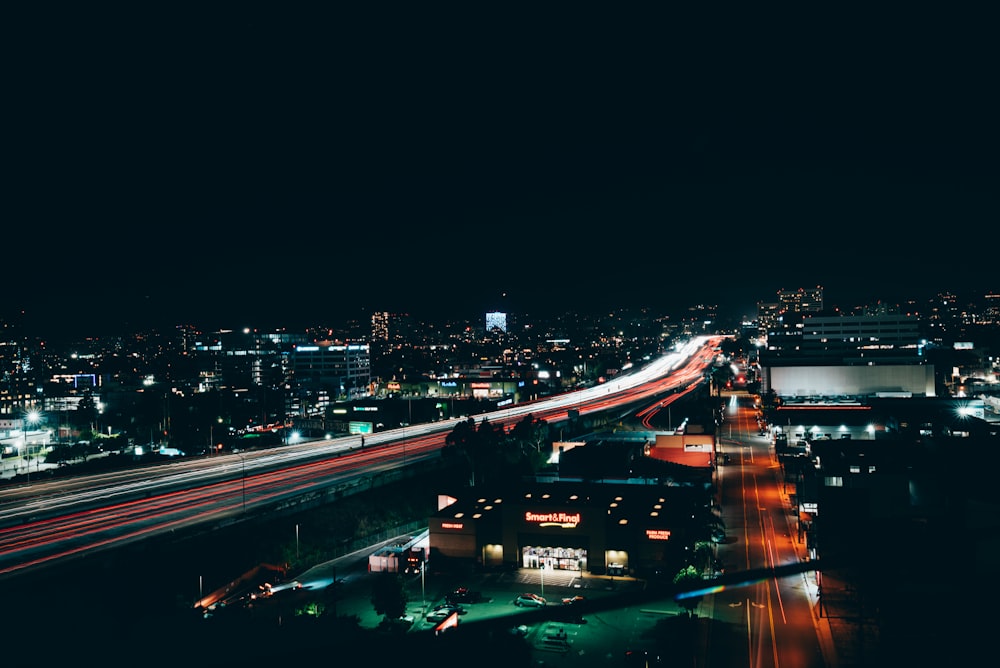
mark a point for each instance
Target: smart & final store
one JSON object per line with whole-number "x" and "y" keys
{"x": 602, "y": 529}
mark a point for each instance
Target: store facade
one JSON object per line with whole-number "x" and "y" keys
{"x": 596, "y": 528}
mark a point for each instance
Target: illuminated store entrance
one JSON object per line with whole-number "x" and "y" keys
{"x": 554, "y": 558}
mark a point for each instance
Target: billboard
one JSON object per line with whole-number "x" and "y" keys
{"x": 360, "y": 427}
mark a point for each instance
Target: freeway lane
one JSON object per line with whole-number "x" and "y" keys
{"x": 44, "y": 522}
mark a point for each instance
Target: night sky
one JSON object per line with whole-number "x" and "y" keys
{"x": 263, "y": 168}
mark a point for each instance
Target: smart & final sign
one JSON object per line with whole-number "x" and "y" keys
{"x": 556, "y": 519}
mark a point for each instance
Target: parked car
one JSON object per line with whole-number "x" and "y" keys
{"x": 642, "y": 658}
{"x": 405, "y": 620}
{"x": 570, "y": 600}
{"x": 529, "y": 601}
{"x": 440, "y": 615}
{"x": 453, "y": 607}
{"x": 463, "y": 595}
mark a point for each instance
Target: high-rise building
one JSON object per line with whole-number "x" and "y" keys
{"x": 767, "y": 315}
{"x": 380, "y": 326}
{"x": 496, "y": 320}
{"x": 342, "y": 370}
{"x": 801, "y": 300}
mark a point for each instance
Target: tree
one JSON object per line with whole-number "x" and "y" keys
{"x": 531, "y": 434}
{"x": 480, "y": 445}
{"x": 688, "y": 578}
{"x": 85, "y": 415}
{"x": 704, "y": 556}
{"x": 59, "y": 453}
{"x": 388, "y": 595}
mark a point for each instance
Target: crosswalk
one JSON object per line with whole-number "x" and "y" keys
{"x": 535, "y": 577}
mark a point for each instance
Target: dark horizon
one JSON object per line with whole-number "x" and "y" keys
{"x": 240, "y": 169}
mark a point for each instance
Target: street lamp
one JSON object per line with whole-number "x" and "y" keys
{"x": 30, "y": 418}
{"x": 243, "y": 469}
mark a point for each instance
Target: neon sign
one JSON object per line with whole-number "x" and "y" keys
{"x": 658, "y": 534}
{"x": 451, "y": 525}
{"x": 557, "y": 519}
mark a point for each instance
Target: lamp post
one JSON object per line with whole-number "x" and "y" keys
{"x": 243, "y": 483}
{"x": 296, "y": 541}
{"x": 30, "y": 418}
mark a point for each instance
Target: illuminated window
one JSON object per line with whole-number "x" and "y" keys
{"x": 833, "y": 481}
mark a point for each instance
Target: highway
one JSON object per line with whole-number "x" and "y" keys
{"x": 45, "y": 522}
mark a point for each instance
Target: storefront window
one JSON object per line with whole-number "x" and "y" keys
{"x": 555, "y": 558}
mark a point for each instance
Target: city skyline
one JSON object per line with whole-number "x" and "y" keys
{"x": 46, "y": 326}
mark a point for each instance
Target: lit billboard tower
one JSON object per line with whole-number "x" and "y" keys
{"x": 496, "y": 320}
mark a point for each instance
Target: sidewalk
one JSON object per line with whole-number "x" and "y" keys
{"x": 828, "y": 640}
{"x": 845, "y": 640}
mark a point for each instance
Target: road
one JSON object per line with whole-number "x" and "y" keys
{"x": 44, "y": 522}
{"x": 775, "y": 614}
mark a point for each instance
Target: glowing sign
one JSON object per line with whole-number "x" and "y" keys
{"x": 449, "y": 622}
{"x": 451, "y": 525}
{"x": 658, "y": 534}
{"x": 479, "y": 386}
{"x": 558, "y": 519}
{"x": 392, "y": 386}
{"x": 354, "y": 427}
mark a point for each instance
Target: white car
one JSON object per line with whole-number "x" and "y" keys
{"x": 529, "y": 601}
{"x": 441, "y": 614}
